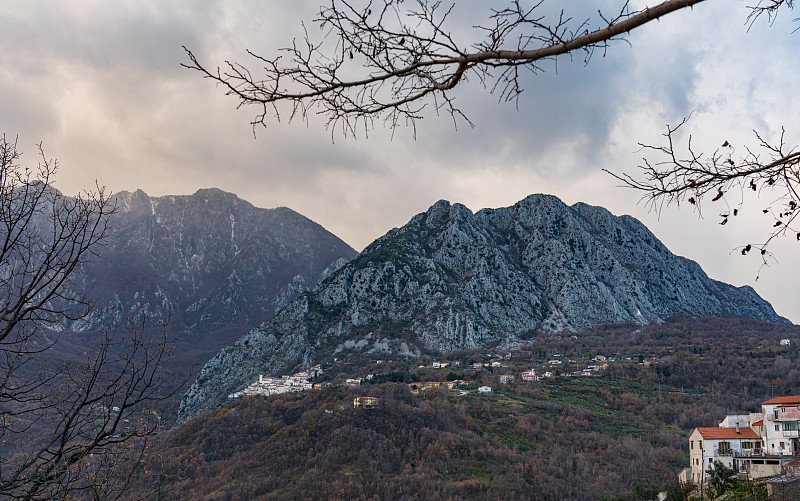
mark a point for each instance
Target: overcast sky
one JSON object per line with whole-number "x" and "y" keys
{"x": 100, "y": 85}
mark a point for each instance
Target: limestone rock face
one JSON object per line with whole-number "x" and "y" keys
{"x": 451, "y": 279}
{"x": 209, "y": 262}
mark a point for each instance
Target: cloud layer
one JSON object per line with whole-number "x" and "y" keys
{"x": 100, "y": 84}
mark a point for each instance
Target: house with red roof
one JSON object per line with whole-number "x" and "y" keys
{"x": 707, "y": 445}
{"x": 781, "y": 418}
{"x": 757, "y": 445}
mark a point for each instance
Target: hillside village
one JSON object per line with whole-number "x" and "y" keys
{"x": 299, "y": 381}
{"x": 302, "y": 380}
{"x": 756, "y": 444}
{"x": 605, "y": 414}
{"x": 480, "y": 370}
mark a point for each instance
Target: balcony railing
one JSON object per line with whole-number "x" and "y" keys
{"x": 784, "y": 414}
{"x": 791, "y": 434}
{"x": 746, "y": 453}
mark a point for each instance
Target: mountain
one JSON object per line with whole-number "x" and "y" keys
{"x": 451, "y": 279}
{"x": 212, "y": 264}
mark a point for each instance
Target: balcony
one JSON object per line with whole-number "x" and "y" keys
{"x": 785, "y": 414}
{"x": 790, "y": 434}
{"x": 738, "y": 452}
{"x": 750, "y": 453}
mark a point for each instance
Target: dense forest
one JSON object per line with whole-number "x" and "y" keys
{"x": 617, "y": 436}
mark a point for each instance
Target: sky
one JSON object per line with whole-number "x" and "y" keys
{"x": 100, "y": 85}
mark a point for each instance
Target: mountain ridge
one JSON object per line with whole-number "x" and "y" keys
{"x": 207, "y": 261}
{"x": 450, "y": 279}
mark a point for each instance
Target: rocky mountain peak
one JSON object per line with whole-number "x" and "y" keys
{"x": 209, "y": 261}
{"x": 451, "y": 279}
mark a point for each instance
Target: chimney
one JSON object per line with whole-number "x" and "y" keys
{"x": 737, "y": 426}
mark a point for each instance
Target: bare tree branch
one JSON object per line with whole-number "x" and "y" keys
{"x": 64, "y": 425}
{"x": 721, "y": 179}
{"x": 384, "y": 60}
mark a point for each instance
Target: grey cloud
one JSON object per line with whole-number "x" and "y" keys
{"x": 101, "y": 84}
{"x": 105, "y": 35}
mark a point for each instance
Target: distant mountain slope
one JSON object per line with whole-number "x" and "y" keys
{"x": 209, "y": 261}
{"x": 451, "y": 279}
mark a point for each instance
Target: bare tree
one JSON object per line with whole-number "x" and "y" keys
{"x": 678, "y": 174}
{"x": 64, "y": 423}
{"x": 388, "y": 60}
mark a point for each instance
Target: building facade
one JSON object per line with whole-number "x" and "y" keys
{"x": 707, "y": 445}
{"x": 755, "y": 445}
{"x": 781, "y": 420}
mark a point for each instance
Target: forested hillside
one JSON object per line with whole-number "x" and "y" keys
{"x": 619, "y": 435}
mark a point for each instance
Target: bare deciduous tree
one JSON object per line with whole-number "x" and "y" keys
{"x": 388, "y": 60}
{"x": 680, "y": 174}
{"x": 64, "y": 423}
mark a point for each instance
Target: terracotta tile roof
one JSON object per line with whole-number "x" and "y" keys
{"x": 795, "y": 399}
{"x": 722, "y": 433}
{"x": 759, "y": 423}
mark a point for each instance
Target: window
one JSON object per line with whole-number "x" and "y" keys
{"x": 747, "y": 445}
{"x": 790, "y": 426}
{"x": 777, "y": 427}
{"x": 775, "y": 413}
{"x": 691, "y": 444}
{"x": 724, "y": 447}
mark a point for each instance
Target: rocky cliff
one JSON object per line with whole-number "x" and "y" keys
{"x": 451, "y": 279}
{"x": 209, "y": 262}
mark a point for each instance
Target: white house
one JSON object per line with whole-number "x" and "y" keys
{"x": 732, "y": 421}
{"x": 485, "y": 389}
{"x": 365, "y": 402}
{"x": 707, "y": 445}
{"x": 786, "y": 342}
{"x": 506, "y": 378}
{"x": 781, "y": 419}
{"x": 755, "y": 444}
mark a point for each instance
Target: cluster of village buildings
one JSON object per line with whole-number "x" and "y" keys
{"x": 284, "y": 384}
{"x": 555, "y": 363}
{"x": 756, "y": 445}
{"x": 301, "y": 380}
